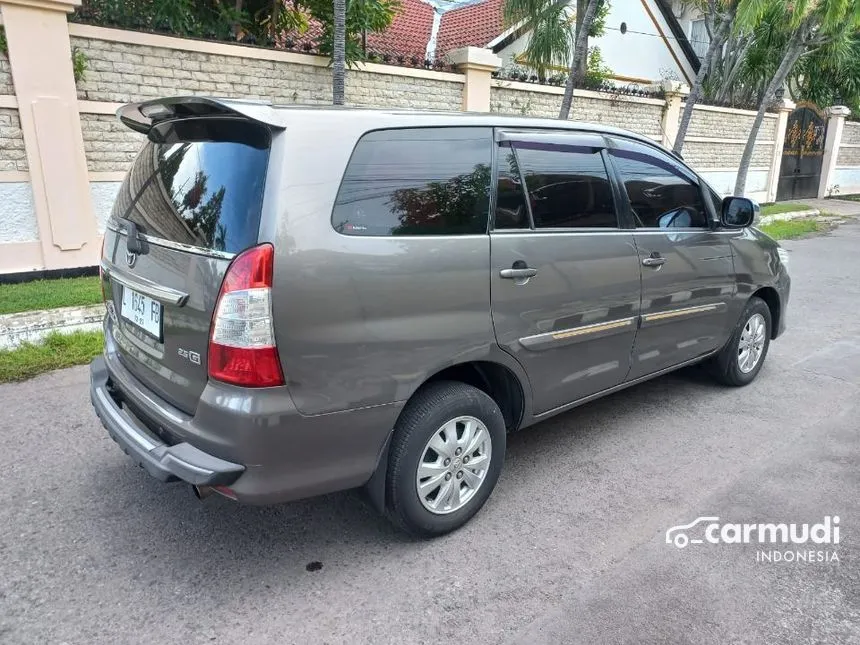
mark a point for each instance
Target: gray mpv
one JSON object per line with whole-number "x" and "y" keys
{"x": 305, "y": 300}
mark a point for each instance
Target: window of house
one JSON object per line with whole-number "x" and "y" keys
{"x": 417, "y": 181}
{"x": 567, "y": 186}
{"x": 699, "y": 38}
{"x": 661, "y": 193}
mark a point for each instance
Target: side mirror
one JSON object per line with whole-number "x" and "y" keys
{"x": 738, "y": 212}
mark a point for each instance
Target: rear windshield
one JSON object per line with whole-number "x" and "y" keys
{"x": 199, "y": 182}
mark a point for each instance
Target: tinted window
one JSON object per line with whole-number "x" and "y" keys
{"x": 511, "y": 210}
{"x": 661, "y": 194}
{"x": 427, "y": 181}
{"x": 199, "y": 182}
{"x": 567, "y": 186}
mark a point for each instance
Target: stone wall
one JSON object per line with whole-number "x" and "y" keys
{"x": 643, "y": 116}
{"x": 6, "y": 87}
{"x": 109, "y": 145}
{"x": 851, "y": 132}
{"x": 728, "y": 123}
{"x": 12, "y": 153}
{"x": 848, "y": 156}
{"x": 725, "y": 155}
{"x": 124, "y": 72}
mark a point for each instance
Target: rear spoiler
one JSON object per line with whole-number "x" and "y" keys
{"x": 141, "y": 117}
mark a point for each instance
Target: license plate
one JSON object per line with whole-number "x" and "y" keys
{"x": 142, "y": 311}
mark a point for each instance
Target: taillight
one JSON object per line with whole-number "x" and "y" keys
{"x": 242, "y": 347}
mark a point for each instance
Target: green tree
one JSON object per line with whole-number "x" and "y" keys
{"x": 809, "y": 25}
{"x": 718, "y": 15}
{"x": 552, "y": 40}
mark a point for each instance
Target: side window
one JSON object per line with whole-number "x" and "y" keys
{"x": 417, "y": 181}
{"x": 567, "y": 186}
{"x": 661, "y": 194}
{"x": 511, "y": 210}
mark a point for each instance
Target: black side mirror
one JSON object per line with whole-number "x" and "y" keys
{"x": 738, "y": 212}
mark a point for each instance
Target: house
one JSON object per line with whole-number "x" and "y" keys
{"x": 645, "y": 41}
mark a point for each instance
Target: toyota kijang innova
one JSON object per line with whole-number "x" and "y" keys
{"x": 304, "y": 300}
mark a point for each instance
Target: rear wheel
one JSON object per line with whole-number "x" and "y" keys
{"x": 740, "y": 361}
{"x": 446, "y": 455}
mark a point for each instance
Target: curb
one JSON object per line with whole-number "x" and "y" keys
{"x": 33, "y": 326}
{"x": 782, "y": 217}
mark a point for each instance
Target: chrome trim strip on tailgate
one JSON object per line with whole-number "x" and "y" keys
{"x": 146, "y": 287}
{"x": 179, "y": 246}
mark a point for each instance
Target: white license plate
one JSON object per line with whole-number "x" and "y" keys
{"x": 142, "y": 310}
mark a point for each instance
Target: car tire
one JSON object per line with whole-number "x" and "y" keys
{"x": 741, "y": 359}
{"x": 451, "y": 421}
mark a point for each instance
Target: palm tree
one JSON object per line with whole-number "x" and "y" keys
{"x": 338, "y": 67}
{"x": 718, "y": 15}
{"x": 810, "y": 25}
{"x": 551, "y": 38}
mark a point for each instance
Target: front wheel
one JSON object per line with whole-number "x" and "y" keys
{"x": 446, "y": 456}
{"x": 740, "y": 361}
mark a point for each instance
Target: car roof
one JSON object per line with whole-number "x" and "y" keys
{"x": 282, "y": 116}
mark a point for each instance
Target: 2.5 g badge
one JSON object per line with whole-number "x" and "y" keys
{"x": 194, "y": 357}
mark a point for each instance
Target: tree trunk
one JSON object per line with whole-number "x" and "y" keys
{"x": 582, "y": 64}
{"x": 338, "y": 67}
{"x": 580, "y": 51}
{"x": 792, "y": 53}
{"x": 717, "y": 41}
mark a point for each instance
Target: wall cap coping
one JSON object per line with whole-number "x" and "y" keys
{"x": 66, "y": 6}
{"x": 477, "y": 58}
{"x": 786, "y": 105}
{"x": 590, "y": 94}
{"x": 674, "y": 87}
{"x": 837, "y": 110}
{"x": 244, "y": 51}
{"x": 717, "y": 108}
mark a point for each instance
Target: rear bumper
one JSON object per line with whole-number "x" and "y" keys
{"x": 253, "y": 441}
{"x": 162, "y": 461}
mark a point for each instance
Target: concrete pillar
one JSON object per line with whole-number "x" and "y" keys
{"x": 835, "y": 124}
{"x": 674, "y": 92}
{"x": 41, "y": 61}
{"x": 477, "y": 64}
{"x": 786, "y": 107}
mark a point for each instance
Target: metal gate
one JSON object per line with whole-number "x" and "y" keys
{"x": 800, "y": 169}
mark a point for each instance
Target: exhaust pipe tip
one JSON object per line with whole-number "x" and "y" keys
{"x": 202, "y": 492}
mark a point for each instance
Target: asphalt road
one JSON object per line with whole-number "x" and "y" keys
{"x": 570, "y": 548}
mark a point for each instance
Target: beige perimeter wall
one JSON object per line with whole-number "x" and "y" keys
{"x": 125, "y": 66}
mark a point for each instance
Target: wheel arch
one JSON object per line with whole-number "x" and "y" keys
{"x": 771, "y": 299}
{"x": 502, "y": 381}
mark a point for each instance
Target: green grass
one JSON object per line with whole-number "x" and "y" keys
{"x": 850, "y": 198}
{"x": 791, "y": 229}
{"x": 774, "y": 209}
{"x": 49, "y": 294}
{"x": 54, "y": 352}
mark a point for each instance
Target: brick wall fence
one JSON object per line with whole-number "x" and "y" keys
{"x": 53, "y": 206}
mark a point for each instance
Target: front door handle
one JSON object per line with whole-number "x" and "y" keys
{"x": 518, "y": 274}
{"x": 654, "y": 261}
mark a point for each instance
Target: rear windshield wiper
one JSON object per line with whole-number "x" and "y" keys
{"x": 133, "y": 241}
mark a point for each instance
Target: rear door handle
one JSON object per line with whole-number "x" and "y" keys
{"x": 518, "y": 274}
{"x": 655, "y": 260}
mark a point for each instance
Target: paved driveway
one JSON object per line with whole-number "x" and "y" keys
{"x": 570, "y": 548}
